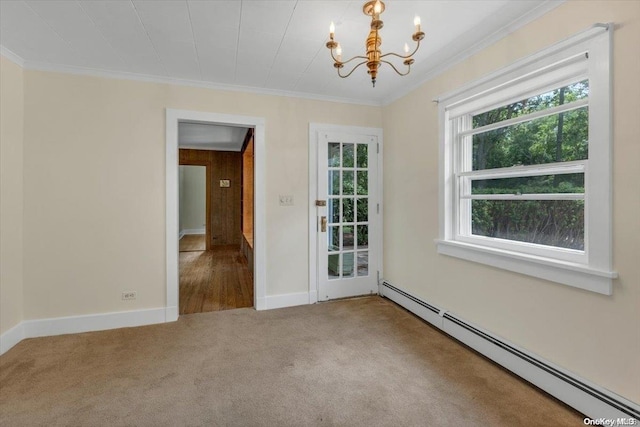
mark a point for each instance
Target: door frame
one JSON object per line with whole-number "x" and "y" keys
{"x": 173, "y": 117}
{"x": 314, "y": 130}
{"x": 207, "y": 228}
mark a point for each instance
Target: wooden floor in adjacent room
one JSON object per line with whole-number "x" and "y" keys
{"x": 213, "y": 280}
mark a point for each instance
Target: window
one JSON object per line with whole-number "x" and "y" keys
{"x": 525, "y": 166}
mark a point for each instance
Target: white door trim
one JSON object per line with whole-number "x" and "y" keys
{"x": 174, "y": 116}
{"x": 314, "y": 130}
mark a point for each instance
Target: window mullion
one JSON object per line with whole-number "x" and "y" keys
{"x": 525, "y": 196}
{"x": 465, "y": 164}
{"x": 529, "y": 117}
{"x": 576, "y": 166}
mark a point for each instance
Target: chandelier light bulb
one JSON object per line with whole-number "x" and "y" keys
{"x": 339, "y": 52}
{"x": 416, "y": 22}
{"x": 332, "y": 30}
{"x": 406, "y": 48}
{"x": 377, "y": 8}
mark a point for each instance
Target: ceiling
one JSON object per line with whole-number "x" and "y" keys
{"x": 257, "y": 45}
{"x": 202, "y": 136}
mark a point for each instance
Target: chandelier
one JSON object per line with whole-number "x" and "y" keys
{"x": 374, "y": 57}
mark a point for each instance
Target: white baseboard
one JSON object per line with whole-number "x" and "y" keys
{"x": 589, "y": 398}
{"x": 88, "y": 323}
{"x": 11, "y": 337}
{"x": 124, "y": 319}
{"x": 286, "y": 300}
{"x": 193, "y": 231}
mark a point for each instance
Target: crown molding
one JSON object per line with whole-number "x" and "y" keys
{"x": 443, "y": 66}
{"x": 16, "y": 59}
{"x": 121, "y": 75}
{"x": 430, "y": 74}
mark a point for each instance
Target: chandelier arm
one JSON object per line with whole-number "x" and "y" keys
{"x": 403, "y": 56}
{"x": 396, "y": 70}
{"x": 347, "y": 61}
{"x": 352, "y": 70}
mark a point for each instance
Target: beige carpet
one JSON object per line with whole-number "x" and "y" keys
{"x": 360, "y": 362}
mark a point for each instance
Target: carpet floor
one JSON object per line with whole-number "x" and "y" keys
{"x": 358, "y": 362}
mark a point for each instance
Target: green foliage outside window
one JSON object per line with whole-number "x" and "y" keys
{"x": 555, "y": 138}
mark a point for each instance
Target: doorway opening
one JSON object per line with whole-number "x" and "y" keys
{"x": 214, "y": 256}
{"x": 229, "y": 240}
{"x": 194, "y": 210}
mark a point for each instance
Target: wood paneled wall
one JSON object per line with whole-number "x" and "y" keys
{"x": 247, "y": 192}
{"x": 225, "y": 212}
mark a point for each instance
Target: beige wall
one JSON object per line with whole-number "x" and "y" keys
{"x": 11, "y": 186}
{"x": 193, "y": 197}
{"x": 94, "y": 187}
{"x": 595, "y": 336}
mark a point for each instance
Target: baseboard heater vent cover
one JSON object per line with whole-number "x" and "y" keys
{"x": 588, "y": 398}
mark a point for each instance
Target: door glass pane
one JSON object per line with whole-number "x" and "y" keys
{"x": 334, "y": 183}
{"x": 363, "y": 210}
{"x": 363, "y": 183}
{"x": 363, "y": 155}
{"x": 363, "y": 236}
{"x": 347, "y": 155}
{"x": 347, "y": 210}
{"x": 333, "y": 208}
{"x": 334, "y": 266}
{"x": 363, "y": 263}
{"x": 347, "y": 237}
{"x": 347, "y": 264}
{"x": 334, "y": 239}
{"x": 347, "y": 182}
{"x": 334, "y": 154}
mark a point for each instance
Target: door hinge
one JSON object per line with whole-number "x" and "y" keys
{"x": 378, "y": 277}
{"x": 378, "y": 147}
{"x": 377, "y": 207}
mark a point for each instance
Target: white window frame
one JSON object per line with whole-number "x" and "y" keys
{"x": 586, "y": 55}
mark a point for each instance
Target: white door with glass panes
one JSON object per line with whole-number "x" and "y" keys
{"x": 347, "y": 215}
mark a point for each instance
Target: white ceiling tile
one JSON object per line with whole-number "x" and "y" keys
{"x": 219, "y": 13}
{"x": 267, "y": 16}
{"x": 259, "y": 43}
{"x": 215, "y": 24}
{"x": 248, "y": 74}
{"x": 74, "y": 26}
{"x": 311, "y": 19}
{"x": 289, "y": 64}
{"x": 120, "y": 25}
{"x": 169, "y": 27}
{"x": 283, "y": 81}
{"x": 25, "y": 33}
{"x": 218, "y": 65}
{"x": 311, "y": 84}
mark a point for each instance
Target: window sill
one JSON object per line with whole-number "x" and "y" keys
{"x": 567, "y": 273}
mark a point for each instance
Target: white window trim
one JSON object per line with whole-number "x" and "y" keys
{"x": 590, "y": 269}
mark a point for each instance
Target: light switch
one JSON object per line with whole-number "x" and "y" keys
{"x": 225, "y": 183}
{"x": 286, "y": 200}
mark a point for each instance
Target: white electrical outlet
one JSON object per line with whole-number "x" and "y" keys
{"x": 129, "y": 295}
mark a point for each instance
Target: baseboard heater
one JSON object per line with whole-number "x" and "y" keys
{"x": 588, "y": 398}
